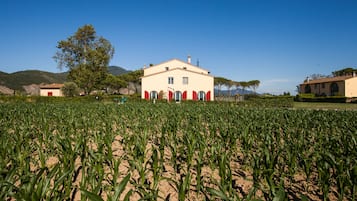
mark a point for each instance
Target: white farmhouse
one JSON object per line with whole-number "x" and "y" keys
{"x": 177, "y": 80}
{"x": 51, "y": 90}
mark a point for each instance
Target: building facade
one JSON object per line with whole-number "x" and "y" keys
{"x": 177, "y": 80}
{"x": 332, "y": 86}
{"x": 51, "y": 90}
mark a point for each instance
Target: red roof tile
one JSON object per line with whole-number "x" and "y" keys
{"x": 52, "y": 86}
{"x": 328, "y": 79}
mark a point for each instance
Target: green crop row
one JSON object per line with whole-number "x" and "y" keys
{"x": 192, "y": 151}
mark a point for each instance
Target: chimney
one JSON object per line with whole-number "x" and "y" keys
{"x": 189, "y": 59}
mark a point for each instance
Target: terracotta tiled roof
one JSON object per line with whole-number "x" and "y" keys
{"x": 328, "y": 79}
{"x": 52, "y": 86}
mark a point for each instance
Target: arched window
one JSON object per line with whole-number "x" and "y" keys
{"x": 334, "y": 89}
{"x": 307, "y": 89}
{"x": 178, "y": 96}
{"x": 201, "y": 96}
{"x": 154, "y": 95}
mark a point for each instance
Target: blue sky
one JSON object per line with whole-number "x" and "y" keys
{"x": 277, "y": 42}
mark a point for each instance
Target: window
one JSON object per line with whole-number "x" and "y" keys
{"x": 201, "y": 96}
{"x": 154, "y": 95}
{"x": 167, "y": 68}
{"x": 334, "y": 89}
{"x": 307, "y": 89}
{"x": 178, "y": 96}
{"x": 323, "y": 85}
{"x": 171, "y": 80}
{"x": 184, "y": 68}
{"x": 184, "y": 80}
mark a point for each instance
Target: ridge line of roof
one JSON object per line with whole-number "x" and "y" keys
{"x": 177, "y": 60}
{"x": 329, "y": 79}
{"x": 209, "y": 75}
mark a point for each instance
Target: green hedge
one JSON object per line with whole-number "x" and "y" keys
{"x": 53, "y": 99}
{"x": 267, "y": 101}
{"x": 327, "y": 99}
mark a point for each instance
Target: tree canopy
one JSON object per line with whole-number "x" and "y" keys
{"x": 220, "y": 82}
{"x": 70, "y": 89}
{"x": 133, "y": 77}
{"x": 254, "y": 84}
{"x": 87, "y": 57}
{"x": 345, "y": 71}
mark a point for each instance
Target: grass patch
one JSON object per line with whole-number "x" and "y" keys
{"x": 327, "y": 106}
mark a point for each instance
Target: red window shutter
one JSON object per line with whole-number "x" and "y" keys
{"x": 194, "y": 95}
{"x": 208, "y": 96}
{"x": 184, "y": 95}
{"x": 171, "y": 94}
{"x": 146, "y": 95}
{"x": 49, "y": 93}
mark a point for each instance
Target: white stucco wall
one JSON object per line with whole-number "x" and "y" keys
{"x": 55, "y": 92}
{"x": 351, "y": 87}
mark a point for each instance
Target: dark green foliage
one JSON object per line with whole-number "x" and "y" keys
{"x": 116, "y": 70}
{"x": 312, "y": 98}
{"x": 345, "y": 71}
{"x": 70, "y": 89}
{"x": 87, "y": 56}
{"x": 253, "y": 100}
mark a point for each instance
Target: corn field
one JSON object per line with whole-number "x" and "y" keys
{"x": 187, "y": 151}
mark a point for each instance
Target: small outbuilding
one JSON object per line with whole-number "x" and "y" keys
{"x": 51, "y": 90}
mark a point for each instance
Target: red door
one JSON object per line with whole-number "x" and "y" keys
{"x": 49, "y": 93}
{"x": 146, "y": 95}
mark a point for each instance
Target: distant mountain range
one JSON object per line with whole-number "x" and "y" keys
{"x": 19, "y": 80}
{"x": 233, "y": 92}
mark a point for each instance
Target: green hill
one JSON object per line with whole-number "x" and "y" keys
{"x": 116, "y": 70}
{"x": 18, "y": 79}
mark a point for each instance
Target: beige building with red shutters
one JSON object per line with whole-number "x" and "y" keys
{"x": 178, "y": 81}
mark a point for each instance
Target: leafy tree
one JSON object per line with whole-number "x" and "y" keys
{"x": 219, "y": 82}
{"x": 345, "y": 71}
{"x": 237, "y": 85}
{"x": 229, "y": 85}
{"x": 87, "y": 56}
{"x": 133, "y": 77}
{"x": 317, "y": 76}
{"x": 244, "y": 85}
{"x": 114, "y": 83}
{"x": 70, "y": 89}
{"x": 254, "y": 84}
